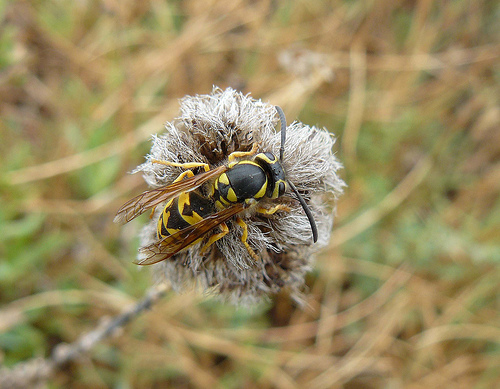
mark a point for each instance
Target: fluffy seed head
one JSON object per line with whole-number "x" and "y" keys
{"x": 209, "y": 129}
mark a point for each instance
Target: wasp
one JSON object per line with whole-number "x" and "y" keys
{"x": 188, "y": 215}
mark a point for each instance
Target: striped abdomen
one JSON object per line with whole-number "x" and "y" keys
{"x": 183, "y": 211}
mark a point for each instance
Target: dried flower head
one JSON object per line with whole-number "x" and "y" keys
{"x": 209, "y": 129}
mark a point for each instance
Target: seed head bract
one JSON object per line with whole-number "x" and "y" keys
{"x": 210, "y": 128}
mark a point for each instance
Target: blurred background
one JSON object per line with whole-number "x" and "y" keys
{"x": 407, "y": 293}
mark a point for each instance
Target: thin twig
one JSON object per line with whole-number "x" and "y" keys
{"x": 35, "y": 371}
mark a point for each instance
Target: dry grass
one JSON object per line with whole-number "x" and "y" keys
{"x": 406, "y": 295}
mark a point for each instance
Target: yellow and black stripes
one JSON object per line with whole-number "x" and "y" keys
{"x": 246, "y": 181}
{"x": 183, "y": 211}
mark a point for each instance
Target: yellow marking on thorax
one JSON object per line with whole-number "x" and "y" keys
{"x": 249, "y": 163}
{"x": 231, "y": 196}
{"x": 224, "y": 179}
{"x": 262, "y": 192}
{"x": 222, "y": 203}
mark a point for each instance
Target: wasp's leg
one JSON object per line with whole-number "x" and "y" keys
{"x": 241, "y": 154}
{"x": 244, "y": 237}
{"x": 273, "y": 210}
{"x": 181, "y": 176}
{"x": 216, "y": 237}
{"x": 188, "y": 165}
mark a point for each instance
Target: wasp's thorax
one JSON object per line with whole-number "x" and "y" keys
{"x": 247, "y": 181}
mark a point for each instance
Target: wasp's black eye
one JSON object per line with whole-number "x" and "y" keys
{"x": 282, "y": 188}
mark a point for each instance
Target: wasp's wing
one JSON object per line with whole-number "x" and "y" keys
{"x": 151, "y": 198}
{"x": 172, "y": 244}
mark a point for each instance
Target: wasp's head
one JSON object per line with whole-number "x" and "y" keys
{"x": 276, "y": 186}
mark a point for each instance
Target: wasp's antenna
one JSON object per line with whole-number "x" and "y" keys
{"x": 281, "y": 114}
{"x": 307, "y": 211}
{"x": 302, "y": 202}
